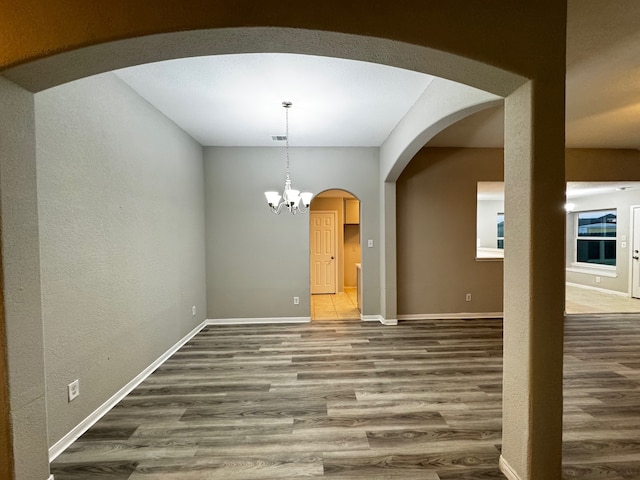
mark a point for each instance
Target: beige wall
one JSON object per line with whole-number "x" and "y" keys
{"x": 351, "y": 253}
{"x": 436, "y": 193}
{"x": 602, "y": 165}
{"x": 436, "y": 211}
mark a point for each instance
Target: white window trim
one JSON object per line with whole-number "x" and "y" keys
{"x": 593, "y": 269}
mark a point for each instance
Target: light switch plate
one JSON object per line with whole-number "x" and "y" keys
{"x": 369, "y": 243}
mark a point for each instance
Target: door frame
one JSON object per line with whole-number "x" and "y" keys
{"x": 335, "y": 248}
{"x": 630, "y": 243}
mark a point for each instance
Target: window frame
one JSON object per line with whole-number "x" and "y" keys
{"x": 498, "y": 237}
{"x": 577, "y": 238}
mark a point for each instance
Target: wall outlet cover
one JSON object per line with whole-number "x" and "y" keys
{"x": 74, "y": 390}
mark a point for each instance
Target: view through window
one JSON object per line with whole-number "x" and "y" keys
{"x": 596, "y": 237}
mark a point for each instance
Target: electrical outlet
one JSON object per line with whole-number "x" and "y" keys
{"x": 468, "y": 297}
{"x": 370, "y": 243}
{"x": 296, "y": 300}
{"x": 74, "y": 390}
{"x": 193, "y": 310}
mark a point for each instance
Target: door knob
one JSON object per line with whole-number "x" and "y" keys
{"x": 635, "y": 257}
{"x": 331, "y": 258}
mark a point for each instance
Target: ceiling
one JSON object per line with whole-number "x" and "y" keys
{"x": 603, "y": 83}
{"x": 495, "y": 190}
{"x": 235, "y": 100}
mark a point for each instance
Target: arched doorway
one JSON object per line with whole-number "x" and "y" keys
{"x": 471, "y": 35}
{"x": 335, "y": 256}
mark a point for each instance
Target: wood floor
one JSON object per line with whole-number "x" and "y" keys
{"x": 355, "y": 400}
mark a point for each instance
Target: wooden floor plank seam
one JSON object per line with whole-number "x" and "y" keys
{"x": 342, "y": 400}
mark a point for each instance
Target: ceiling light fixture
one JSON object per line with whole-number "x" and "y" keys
{"x": 290, "y": 198}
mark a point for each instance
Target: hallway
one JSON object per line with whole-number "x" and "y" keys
{"x": 340, "y": 306}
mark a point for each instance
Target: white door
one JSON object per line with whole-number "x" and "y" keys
{"x": 323, "y": 252}
{"x": 635, "y": 261}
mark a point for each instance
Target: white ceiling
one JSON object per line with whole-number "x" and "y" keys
{"x": 495, "y": 190}
{"x": 236, "y": 100}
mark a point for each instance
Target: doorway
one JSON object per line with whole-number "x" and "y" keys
{"x": 635, "y": 255}
{"x": 334, "y": 256}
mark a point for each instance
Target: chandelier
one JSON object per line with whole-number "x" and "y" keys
{"x": 291, "y": 199}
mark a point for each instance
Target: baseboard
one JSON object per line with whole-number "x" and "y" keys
{"x": 250, "y": 321}
{"x": 379, "y": 318}
{"x": 50, "y": 477}
{"x": 66, "y": 441}
{"x": 507, "y": 470}
{"x": 453, "y": 316}
{"x": 598, "y": 289}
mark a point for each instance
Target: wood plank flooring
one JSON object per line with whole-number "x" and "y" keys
{"x": 354, "y": 400}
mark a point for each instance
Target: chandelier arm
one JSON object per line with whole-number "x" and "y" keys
{"x": 276, "y": 209}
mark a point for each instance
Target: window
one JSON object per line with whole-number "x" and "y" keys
{"x": 500, "y": 224}
{"x": 596, "y": 237}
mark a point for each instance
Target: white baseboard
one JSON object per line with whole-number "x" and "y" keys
{"x": 454, "y": 316}
{"x": 507, "y": 470}
{"x": 66, "y": 441}
{"x": 50, "y": 477}
{"x": 249, "y": 321}
{"x": 598, "y": 289}
{"x": 379, "y": 318}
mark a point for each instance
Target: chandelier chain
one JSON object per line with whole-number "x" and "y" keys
{"x": 286, "y": 138}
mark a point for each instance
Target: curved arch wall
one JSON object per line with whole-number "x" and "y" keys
{"x": 496, "y": 47}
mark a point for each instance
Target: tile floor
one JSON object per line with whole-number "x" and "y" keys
{"x": 341, "y": 306}
{"x": 583, "y": 300}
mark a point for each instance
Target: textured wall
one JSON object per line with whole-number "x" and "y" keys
{"x": 436, "y": 211}
{"x": 494, "y": 34}
{"x": 256, "y": 261}
{"x": 21, "y": 282}
{"x": 121, "y": 203}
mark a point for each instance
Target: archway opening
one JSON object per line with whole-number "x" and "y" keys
{"x": 335, "y": 267}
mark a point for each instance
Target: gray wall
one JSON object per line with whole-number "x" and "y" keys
{"x": 121, "y": 206}
{"x": 621, "y": 201}
{"x": 256, "y": 261}
{"x": 21, "y": 281}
